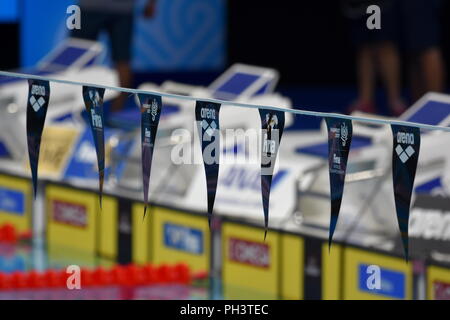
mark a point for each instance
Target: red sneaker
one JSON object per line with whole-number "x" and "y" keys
{"x": 397, "y": 108}
{"x": 366, "y": 107}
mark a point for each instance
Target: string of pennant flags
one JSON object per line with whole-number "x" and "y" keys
{"x": 405, "y": 155}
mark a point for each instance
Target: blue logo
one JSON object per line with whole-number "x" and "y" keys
{"x": 183, "y": 238}
{"x": 12, "y": 201}
{"x": 392, "y": 282}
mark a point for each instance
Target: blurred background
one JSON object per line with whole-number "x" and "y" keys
{"x": 314, "y": 45}
{"x": 312, "y": 55}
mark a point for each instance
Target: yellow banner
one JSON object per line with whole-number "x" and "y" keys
{"x": 251, "y": 267}
{"x": 374, "y": 276}
{"x": 179, "y": 237}
{"x": 56, "y": 147}
{"x": 15, "y": 202}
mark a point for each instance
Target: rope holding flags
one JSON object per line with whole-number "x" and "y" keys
{"x": 406, "y": 142}
{"x": 340, "y": 132}
{"x": 93, "y": 100}
{"x": 38, "y": 100}
{"x": 207, "y": 117}
{"x": 405, "y": 156}
{"x": 272, "y": 126}
{"x": 151, "y": 106}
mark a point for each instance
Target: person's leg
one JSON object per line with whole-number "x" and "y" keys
{"x": 422, "y": 35}
{"x": 120, "y": 30}
{"x": 365, "y": 74}
{"x": 426, "y": 71}
{"x": 432, "y": 67}
{"x": 364, "y": 59}
{"x": 389, "y": 65}
{"x": 415, "y": 79}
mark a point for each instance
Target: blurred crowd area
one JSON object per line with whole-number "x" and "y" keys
{"x": 327, "y": 57}
{"x": 330, "y": 60}
{"x": 407, "y": 40}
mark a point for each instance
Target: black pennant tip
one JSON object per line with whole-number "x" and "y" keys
{"x": 35, "y": 183}
{"x": 333, "y": 222}
{"x": 34, "y": 191}
{"x": 100, "y": 186}
{"x": 100, "y": 200}
{"x": 406, "y": 252}
{"x": 266, "y": 224}
{"x": 145, "y": 213}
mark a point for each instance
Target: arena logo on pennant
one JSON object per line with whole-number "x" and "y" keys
{"x": 37, "y": 100}
{"x": 405, "y": 152}
{"x": 209, "y": 124}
